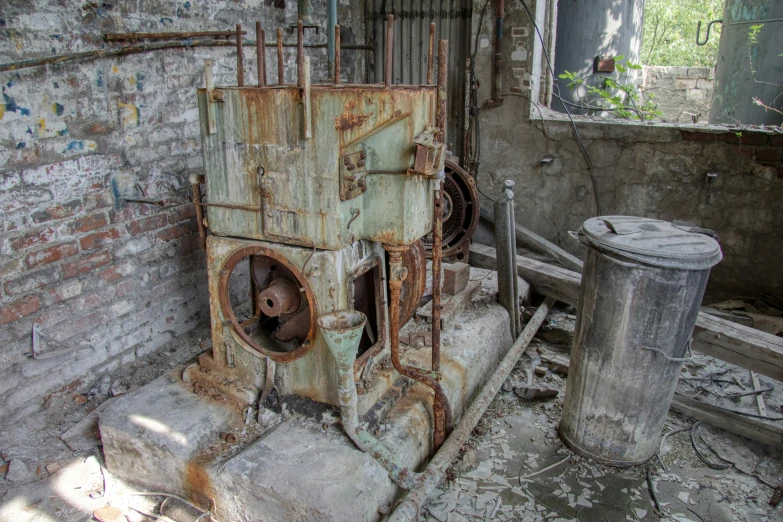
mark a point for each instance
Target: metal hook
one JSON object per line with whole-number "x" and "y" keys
{"x": 707, "y": 34}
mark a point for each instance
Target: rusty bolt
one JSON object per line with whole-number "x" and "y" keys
{"x": 346, "y": 160}
{"x": 350, "y": 167}
{"x": 228, "y": 437}
{"x": 363, "y": 184}
{"x": 361, "y": 163}
{"x": 363, "y": 155}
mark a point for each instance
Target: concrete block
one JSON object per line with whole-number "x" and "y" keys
{"x": 455, "y": 277}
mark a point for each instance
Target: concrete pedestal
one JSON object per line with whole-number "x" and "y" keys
{"x": 166, "y": 438}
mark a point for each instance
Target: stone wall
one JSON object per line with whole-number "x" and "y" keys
{"x": 729, "y": 180}
{"x": 117, "y": 280}
{"x": 683, "y": 94}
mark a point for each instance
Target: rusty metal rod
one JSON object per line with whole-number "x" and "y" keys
{"x": 441, "y": 409}
{"x": 260, "y": 55}
{"x": 119, "y": 37}
{"x": 280, "y": 68}
{"x": 195, "y": 185}
{"x": 300, "y": 53}
{"x": 389, "y": 50}
{"x": 443, "y": 67}
{"x": 430, "y": 55}
{"x": 240, "y": 59}
{"x": 144, "y": 48}
{"x": 337, "y": 54}
{"x": 409, "y": 507}
{"x": 437, "y": 283}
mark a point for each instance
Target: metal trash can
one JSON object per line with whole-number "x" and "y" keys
{"x": 642, "y": 285}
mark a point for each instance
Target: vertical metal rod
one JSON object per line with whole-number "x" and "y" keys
{"x": 437, "y": 283}
{"x": 430, "y": 54}
{"x": 443, "y": 67}
{"x": 337, "y": 54}
{"x": 389, "y": 50}
{"x": 497, "y": 77}
{"x": 195, "y": 185}
{"x": 260, "y": 55}
{"x": 505, "y": 238}
{"x": 280, "y": 67}
{"x": 331, "y": 21}
{"x": 305, "y": 81}
{"x": 300, "y": 53}
{"x": 240, "y": 58}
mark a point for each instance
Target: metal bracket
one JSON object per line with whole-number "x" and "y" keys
{"x": 430, "y": 154}
{"x": 353, "y": 170}
{"x": 36, "y": 353}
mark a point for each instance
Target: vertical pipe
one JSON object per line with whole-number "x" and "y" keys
{"x": 303, "y": 10}
{"x": 389, "y": 50}
{"x": 497, "y": 77}
{"x": 437, "y": 283}
{"x": 337, "y": 54}
{"x": 331, "y": 21}
{"x": 443, "y": 64}
{"x": 280, "y": 69}
{"x": 240, "y": 58}
{"x": 299, "y": 53}
{"x": 195, "y": 185}
{"x": 505, "y": 238}
{"x": 430, "y": 56}
{"x": 260, "y": 55}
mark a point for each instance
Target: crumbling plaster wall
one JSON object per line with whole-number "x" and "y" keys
{"x": 658, "y": 171}
{"x": 119, "y": 282}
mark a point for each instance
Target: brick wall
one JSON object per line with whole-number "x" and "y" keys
{"x": 117, "y": 280}
{"x": 683, "y": 94}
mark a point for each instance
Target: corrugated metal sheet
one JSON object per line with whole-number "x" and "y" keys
{"x": 412, "y": 20}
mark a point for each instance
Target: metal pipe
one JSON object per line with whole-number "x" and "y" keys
{"x": 303, "y": 10}
{"x": 389, "y": 50}
{"x": 437, "y": 250}
{"x": 552, "y": 24}
{"x": 443, "y": 67}
{"x": 430, "y": 54}
{"x": 280, "y": 69}
{"x": 240, "y": 59}
{"x": 195, "y": 186}
{"x": 408, "y": 508}
{"x": 260, "y": 55}
{"x": 497, "y": 77}
{"x": 300, "y": 53}
{"x": 505, "y": 239}
{"x": 337, "y": 54}
{"x": 331, "y": 21}
{"x": 343, "y": 344}
{"x": 119, "y": 37}
{"x": 441, "y": 409}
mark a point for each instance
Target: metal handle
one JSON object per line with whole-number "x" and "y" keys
{"x": 675, "y": 359}
{"x": 707, "y": 34}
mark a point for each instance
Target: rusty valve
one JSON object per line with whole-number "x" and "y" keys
{"x": 281, "y": 297}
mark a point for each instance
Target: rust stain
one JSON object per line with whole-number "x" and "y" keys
{"x": 346, "y": 122}
{"x": 199, "y": 486}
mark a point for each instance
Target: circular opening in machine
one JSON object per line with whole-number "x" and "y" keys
{"x": 268, "y": 303}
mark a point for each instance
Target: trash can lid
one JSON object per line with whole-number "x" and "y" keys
{"x": 654, "y": 242}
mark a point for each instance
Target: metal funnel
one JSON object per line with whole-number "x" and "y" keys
{"x": 342, "y": 331}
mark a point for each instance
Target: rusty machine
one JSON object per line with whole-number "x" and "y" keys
{"x": 320, "y": 194}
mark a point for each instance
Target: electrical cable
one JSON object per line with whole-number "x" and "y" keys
{"x": 573, "y": 124}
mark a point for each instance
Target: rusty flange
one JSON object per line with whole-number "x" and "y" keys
{"x": 228, "y": 312}
{"x": 460, "y": 213}
{"x": 413, "y": 286}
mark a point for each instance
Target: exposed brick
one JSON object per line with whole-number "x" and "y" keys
{"x": 117, "y": 272}
{"x": 99, "y": 239}
{"x": 190, "y": 244}
{"x": 150, "y": 223}
{"x": 96, "y": 201}
{"x": 132, "y": 211}
{"x": 32, "y": 239}
{"x": 86, "y": 223}
{"x": 31, "y": 281}
{"x": 174, "y": 232}
{"x": 58, "y": 212}
{"x": 182, "y": 213}
{"x": 455, "y": 277}
{"x": 769, "y": 154}
{"x": 753, "y": 138}
{"x": 51, "y": 255}
{"x": 86, "y": 264}
{"x": 747, "y": 151}
{"x": 126, "y": 287}
{"x": 88, "y": 302}
{"x": 704, "y": 137}
{"x": 776, "y": 141}
{"x": 19, "y": 309}
{"x": 65, "y": 291}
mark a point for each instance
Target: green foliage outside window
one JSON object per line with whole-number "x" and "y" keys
{"x": 670, "y": 32}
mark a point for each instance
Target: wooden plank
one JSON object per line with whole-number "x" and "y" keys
{"x": 748, "y": 427}
{"x": 451, "y": 305}
{"x": 552, "y": 281}
{"x": 759, "y": 397}
{"x": 725, "y": 340}
{"x": 536, "y": 242}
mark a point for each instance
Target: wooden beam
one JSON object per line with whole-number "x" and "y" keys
{"x": 536, "y": 242}
{"x": 753, "y": 429}
{"x": 725, "y": 340}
